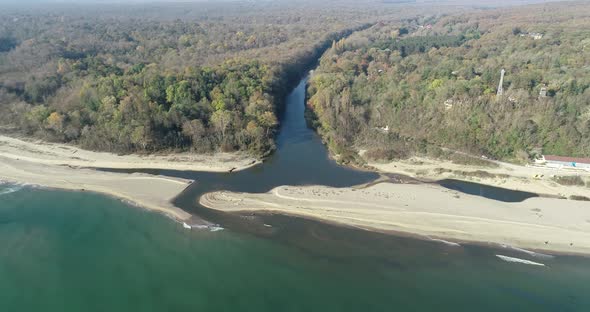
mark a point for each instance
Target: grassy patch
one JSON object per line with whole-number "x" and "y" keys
{"x": 481, "y": 174}
{"x": 442, "y": 170}
{"x": 578, "y": 197}
{"x": 385, "y": 154}
{"x": 569, "y": 180}
{"x": 475, "y": 174}
{"x": 462, "y": 159}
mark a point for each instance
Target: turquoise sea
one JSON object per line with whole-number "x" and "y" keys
{"x": 69, "y": 251}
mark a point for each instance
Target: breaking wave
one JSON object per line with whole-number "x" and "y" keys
{"x": 212, "y": 228}
{"x": 11, "y": 188}
{"x": 528, "y": 252}
{"x": 518, "y": 260}
{"x": 448, "y": 243}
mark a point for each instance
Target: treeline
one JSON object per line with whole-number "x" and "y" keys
{"x": 420, "y": 44}
{"x": 202, "y": 108}
{"x": 369, "y": 95}
{"x": 150, "y": 78}
{"x": 229, "y": 107}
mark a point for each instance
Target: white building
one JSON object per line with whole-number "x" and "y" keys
{"x": 565, "y": 162}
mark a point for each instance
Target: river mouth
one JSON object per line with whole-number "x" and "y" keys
{"x": 271, "y": 262}
{"x": 300, "y": 159}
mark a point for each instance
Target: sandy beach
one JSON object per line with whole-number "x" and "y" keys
{"x": 68, "y": 167}
{"x": 426, "y": 210}
{"x": 430, "y": 211}
{"x": 42, "y": 152}
{"x": 533, "y": 179}
{"x": 149, "y": 191}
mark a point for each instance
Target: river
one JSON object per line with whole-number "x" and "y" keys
{"x": 69, "y": 251}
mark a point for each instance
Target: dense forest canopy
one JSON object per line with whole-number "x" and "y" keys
{"x": 402, "y": 88}
{"x": 201, "y": 77}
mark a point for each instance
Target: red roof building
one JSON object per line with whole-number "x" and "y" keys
{"x": 567, "y": 159}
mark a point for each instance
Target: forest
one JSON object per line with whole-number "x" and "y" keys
{"x": 429, "y": 85}
{"x": 179, "y": 77}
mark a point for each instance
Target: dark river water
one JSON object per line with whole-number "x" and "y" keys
{"x": 71, "y": 251}
{"x": 300, "y": 159}
{"x": 486, "y": 191}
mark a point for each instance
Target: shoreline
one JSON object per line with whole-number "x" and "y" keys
{"x": 428, "y": 212}
{"x": 540, "y": 253}
{"x": 150, "y": 192}
{"x": 411, "y": 215}
{"x": 42, "y": 152}
{"x": 67, "y": 167}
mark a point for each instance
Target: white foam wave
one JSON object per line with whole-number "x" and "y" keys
{"x": 199, "y": 226}
{"x": 134, "y": 204}
{"x": 448, "y": 243}
{"x": 212, "y": 228}
{"x": 518, "y": 260}
{"x": 529, "y": 252}
{"x": 10, "y": 189}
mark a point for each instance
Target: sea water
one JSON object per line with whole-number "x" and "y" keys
{"x": 78, "y": 251}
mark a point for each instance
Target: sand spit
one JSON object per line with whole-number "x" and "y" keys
{"x": 149, "y": 191}
{"x": 554, "y": 225}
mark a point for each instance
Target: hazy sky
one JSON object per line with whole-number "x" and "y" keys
{"x": 462, "y": 2}
{"x": 180, "y": 1}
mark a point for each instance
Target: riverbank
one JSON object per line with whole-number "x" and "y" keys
{"x": 539, "y": 180}
{"x": 148, "y": 191}
{"x": 46, "y": 153}
{"x": 547, "y": 224}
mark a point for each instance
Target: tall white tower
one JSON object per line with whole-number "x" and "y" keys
{"x": 500, "y": 87}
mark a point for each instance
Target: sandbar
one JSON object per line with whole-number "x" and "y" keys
{"x": 430, "y": 211}
{"x": 148, "y": 191}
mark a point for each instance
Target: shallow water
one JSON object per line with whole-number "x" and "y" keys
{"x": 69, "y": 251}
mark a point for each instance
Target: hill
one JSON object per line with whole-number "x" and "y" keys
{"x": 144, "y": 78}
{"x": 427, "y": 85}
